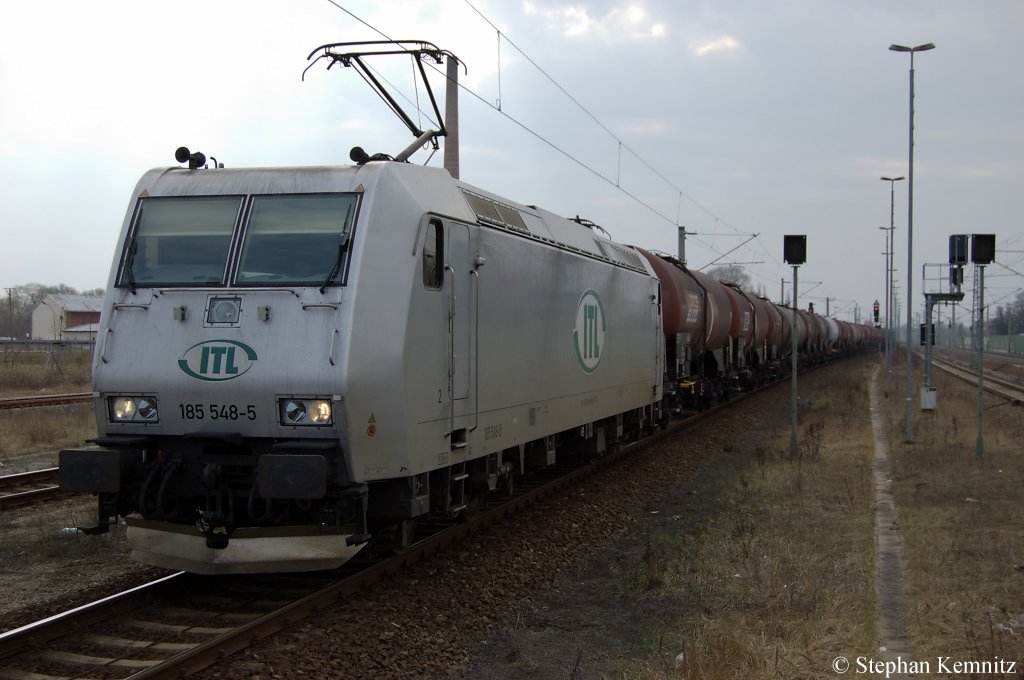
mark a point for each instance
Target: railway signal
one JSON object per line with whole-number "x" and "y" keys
{"x": 983, "y": 252}
{"x": 794, "y": 251}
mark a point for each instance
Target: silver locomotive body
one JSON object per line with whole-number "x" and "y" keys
{"x": 292, "y": 361}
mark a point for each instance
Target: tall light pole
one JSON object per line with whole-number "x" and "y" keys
{"x": 907, "y": 415}
{"x": 888, "y": 305}
{"x": 10, "y": 313}
{"x": 890, "y": 242}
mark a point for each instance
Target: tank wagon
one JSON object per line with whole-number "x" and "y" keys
{"x": 720, "y": 340}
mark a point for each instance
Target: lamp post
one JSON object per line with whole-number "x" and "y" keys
{"x": 888, "y": 304}
{"x": 890, "y": 242}
{"x": 907, "y": 416}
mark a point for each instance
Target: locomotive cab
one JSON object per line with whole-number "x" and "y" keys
{"x": 204, "y": 453}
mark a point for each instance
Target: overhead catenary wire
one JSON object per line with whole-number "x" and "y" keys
{"x": 612, "y": 181}
{"x": 722, "y": 256}
{"x": 527, "y": 129}
{"x": 622, "y": 145}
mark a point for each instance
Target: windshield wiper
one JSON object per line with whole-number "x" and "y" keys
{"x": 129, "y": 263}
{"x": 342, "y": 244}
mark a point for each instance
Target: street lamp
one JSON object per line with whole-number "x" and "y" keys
{"x": 888, "y": 303}
{"x": 908, "y": 425}
{"x": 890, "y": 241}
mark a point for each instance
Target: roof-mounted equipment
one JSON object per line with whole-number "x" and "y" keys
{"x": 195, "y": 160}
{"x": 590, "y": 224}
{"x": 354, "y": 54}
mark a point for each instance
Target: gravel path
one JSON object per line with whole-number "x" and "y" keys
{"x": 893, "y": 635}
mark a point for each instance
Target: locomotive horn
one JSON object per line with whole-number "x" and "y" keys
{"x": 358, "y": 156}
{"x": 195, "y": 160}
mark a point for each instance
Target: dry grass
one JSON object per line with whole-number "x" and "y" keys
{"x": 32, "y": 373}
{"x": 962, "y": 524}
{"x": 41, "y": 534}
{"x": 45, "y": 568}
{"x": 45, "y": 429}
{"x": 781, "y": 571}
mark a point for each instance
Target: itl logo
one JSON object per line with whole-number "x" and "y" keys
{"x": 217, "y": 360}
{"x": 588, "y": 335}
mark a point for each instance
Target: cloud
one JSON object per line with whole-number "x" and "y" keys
{"x": 725, "y": 42}
{"x": 650, "y": 127}
{"x": 629, "y": 22}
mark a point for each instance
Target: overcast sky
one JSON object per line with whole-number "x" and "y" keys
{"x": 756, "y": 117}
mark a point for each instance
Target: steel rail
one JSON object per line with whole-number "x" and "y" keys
{"x": 44, "y": 481}
{"x": 19, "y": 477}
{"x": 17, "y": 639}
{"x": 28, "y": 497}
{"x": 1002, "y": 388}
{"x": 46, "y": 400}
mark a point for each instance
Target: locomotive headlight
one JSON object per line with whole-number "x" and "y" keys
{"x": 223, "y": 310}
{"x": 303, "y": 411}
{"x": 132, "y": 409}
{"x": 146, "y": 408}
{"x": 320, "y": 412}
{"x": 294, "y": 412}
{"x": 122, "y": 408}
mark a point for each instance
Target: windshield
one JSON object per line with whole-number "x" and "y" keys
{"x": 293, "y": 239}
{"x": 296, "y": 239}
{"x": 180, "y": 241}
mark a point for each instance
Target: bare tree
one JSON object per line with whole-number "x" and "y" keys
{"x": 731, "y": 273}
{"x": 16, "y": 316}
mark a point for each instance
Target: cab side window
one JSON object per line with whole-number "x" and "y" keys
{"x": 433, "y": 256}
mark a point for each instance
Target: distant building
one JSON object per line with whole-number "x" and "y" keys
{"x": 67, "y": 318}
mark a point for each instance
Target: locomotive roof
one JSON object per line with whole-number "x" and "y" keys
{"x": 433, "y": 188}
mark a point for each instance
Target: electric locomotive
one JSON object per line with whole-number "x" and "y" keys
{"x": 294, "y": 362}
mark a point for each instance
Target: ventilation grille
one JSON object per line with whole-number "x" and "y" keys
{"x": 489, "y": 211}
{"x": 492, "y": 212}
{"x": 618, "y": 254}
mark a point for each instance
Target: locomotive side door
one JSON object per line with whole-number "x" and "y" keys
{"x": 461, "y": 320}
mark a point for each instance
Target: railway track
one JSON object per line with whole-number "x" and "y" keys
{"x": 23, "y": 488}
{"x": 46, "y": 400}
{"x": 997, "y": 364}
{"x": 183, "y": 623}
{"x": 1006, "y": 389}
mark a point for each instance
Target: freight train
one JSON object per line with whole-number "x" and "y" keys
{"x": 295, "y": 363}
